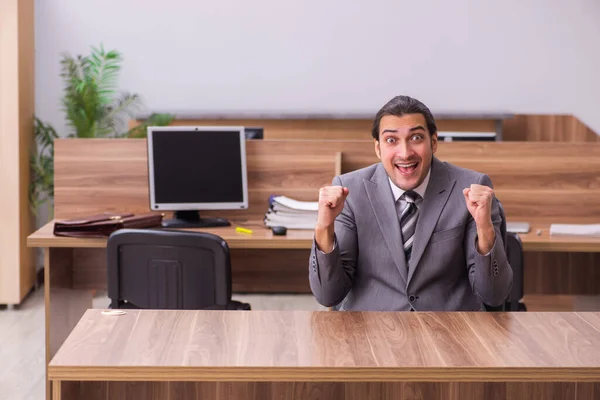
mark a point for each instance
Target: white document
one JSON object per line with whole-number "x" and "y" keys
{"x": 292, "y": 204}
{"x": 575, "y": 229}
{"x": 293, "y": 214}
{"x": 303, "y": 220}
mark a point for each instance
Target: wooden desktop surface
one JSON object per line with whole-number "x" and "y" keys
{"x": 263, "y": 238}
{"x": 331, "y": 346}
{"x": 260, "y": 238}
{"x": 329, "y": 355}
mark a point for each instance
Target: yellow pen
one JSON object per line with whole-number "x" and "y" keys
{"x": 243, "y": 230}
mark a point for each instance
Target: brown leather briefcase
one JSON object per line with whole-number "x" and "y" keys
{"x": 102, "y": 225}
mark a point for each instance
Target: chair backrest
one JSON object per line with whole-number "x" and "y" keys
{"x": 160, "y": 269}
{"x": 514, "y": 252}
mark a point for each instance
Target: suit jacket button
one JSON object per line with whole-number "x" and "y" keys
{"x": 411, "y": 298}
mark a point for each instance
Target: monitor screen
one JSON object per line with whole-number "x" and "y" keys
{"x": 467, "y": 136}
{"x": 197, "y": 168}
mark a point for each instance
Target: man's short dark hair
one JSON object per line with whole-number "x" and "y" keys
{"x": 401, "y": 105}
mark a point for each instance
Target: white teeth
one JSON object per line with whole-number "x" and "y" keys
{"x": 406, "y": 165}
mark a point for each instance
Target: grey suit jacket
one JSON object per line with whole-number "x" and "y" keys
{"x": 367, "y": 269}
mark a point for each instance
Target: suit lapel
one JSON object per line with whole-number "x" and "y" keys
{"x": 382, "y": 201}
{"x": 438, "y": 190}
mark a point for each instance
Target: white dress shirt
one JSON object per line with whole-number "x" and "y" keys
{"x": 397, "y": 192}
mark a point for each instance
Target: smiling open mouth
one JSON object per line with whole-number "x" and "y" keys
{"x": 406, "y": 168}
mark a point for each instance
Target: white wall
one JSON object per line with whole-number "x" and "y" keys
{"x": 520, "y": 56}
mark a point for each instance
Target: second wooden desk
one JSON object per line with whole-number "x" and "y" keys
{"x": 264, "y": 355}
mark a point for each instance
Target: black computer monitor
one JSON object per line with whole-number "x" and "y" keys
{"x": 467, "y": 136}
{"x": 197, "y": 168}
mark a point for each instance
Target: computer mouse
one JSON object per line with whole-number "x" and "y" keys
{"x": 279, "y": 230}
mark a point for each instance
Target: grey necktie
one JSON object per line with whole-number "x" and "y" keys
{"x": 408, "y": 221}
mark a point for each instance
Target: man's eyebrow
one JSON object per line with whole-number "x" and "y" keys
{"x": 413, "y": 129}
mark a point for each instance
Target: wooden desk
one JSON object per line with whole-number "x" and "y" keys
{"x": 329, "y": 355}
{"x": 552, "y": 243}
{"x": 262, "y": 238}
{"x": 98, "y": 175}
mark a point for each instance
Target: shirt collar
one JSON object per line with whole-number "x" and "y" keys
{"x": 397, "y": 192}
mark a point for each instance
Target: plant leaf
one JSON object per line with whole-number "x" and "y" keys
{"x": 41, "y": 187}
{"x": 155, "y": 119}
{"x": 104, "y": 72}
{"x": 120, "y": 112}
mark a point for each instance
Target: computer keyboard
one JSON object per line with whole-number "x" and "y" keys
{"x": 575, "y": 229}
{"x": 518, "y": 227}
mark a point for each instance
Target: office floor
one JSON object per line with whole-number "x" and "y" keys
{"x": 22, "y": 340}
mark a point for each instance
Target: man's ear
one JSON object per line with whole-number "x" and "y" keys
{"x": 434, "y": 142}
{"x": 377, "y": 149}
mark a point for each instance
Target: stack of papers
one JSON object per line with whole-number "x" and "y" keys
{"x": 293, "y": 214}
{"x": 575, "y": 229}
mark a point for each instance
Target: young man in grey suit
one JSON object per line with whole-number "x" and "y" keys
{"x": 411, "y": 233}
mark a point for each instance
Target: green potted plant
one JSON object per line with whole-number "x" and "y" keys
{"x": 41, "y": 188}
{"x": 93, "y": 108}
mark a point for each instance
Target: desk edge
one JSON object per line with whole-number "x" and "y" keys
{"x": 324, "y": 374}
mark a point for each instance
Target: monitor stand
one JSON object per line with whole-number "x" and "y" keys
{"x": 191, "y": 219}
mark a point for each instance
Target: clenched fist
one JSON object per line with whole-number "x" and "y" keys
{"x": 479, "y": 203}
{"x": 331, "y": 203}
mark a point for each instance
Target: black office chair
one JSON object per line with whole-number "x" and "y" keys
{"x": 514, "y": 252}
{"x": 160, "y": 269}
